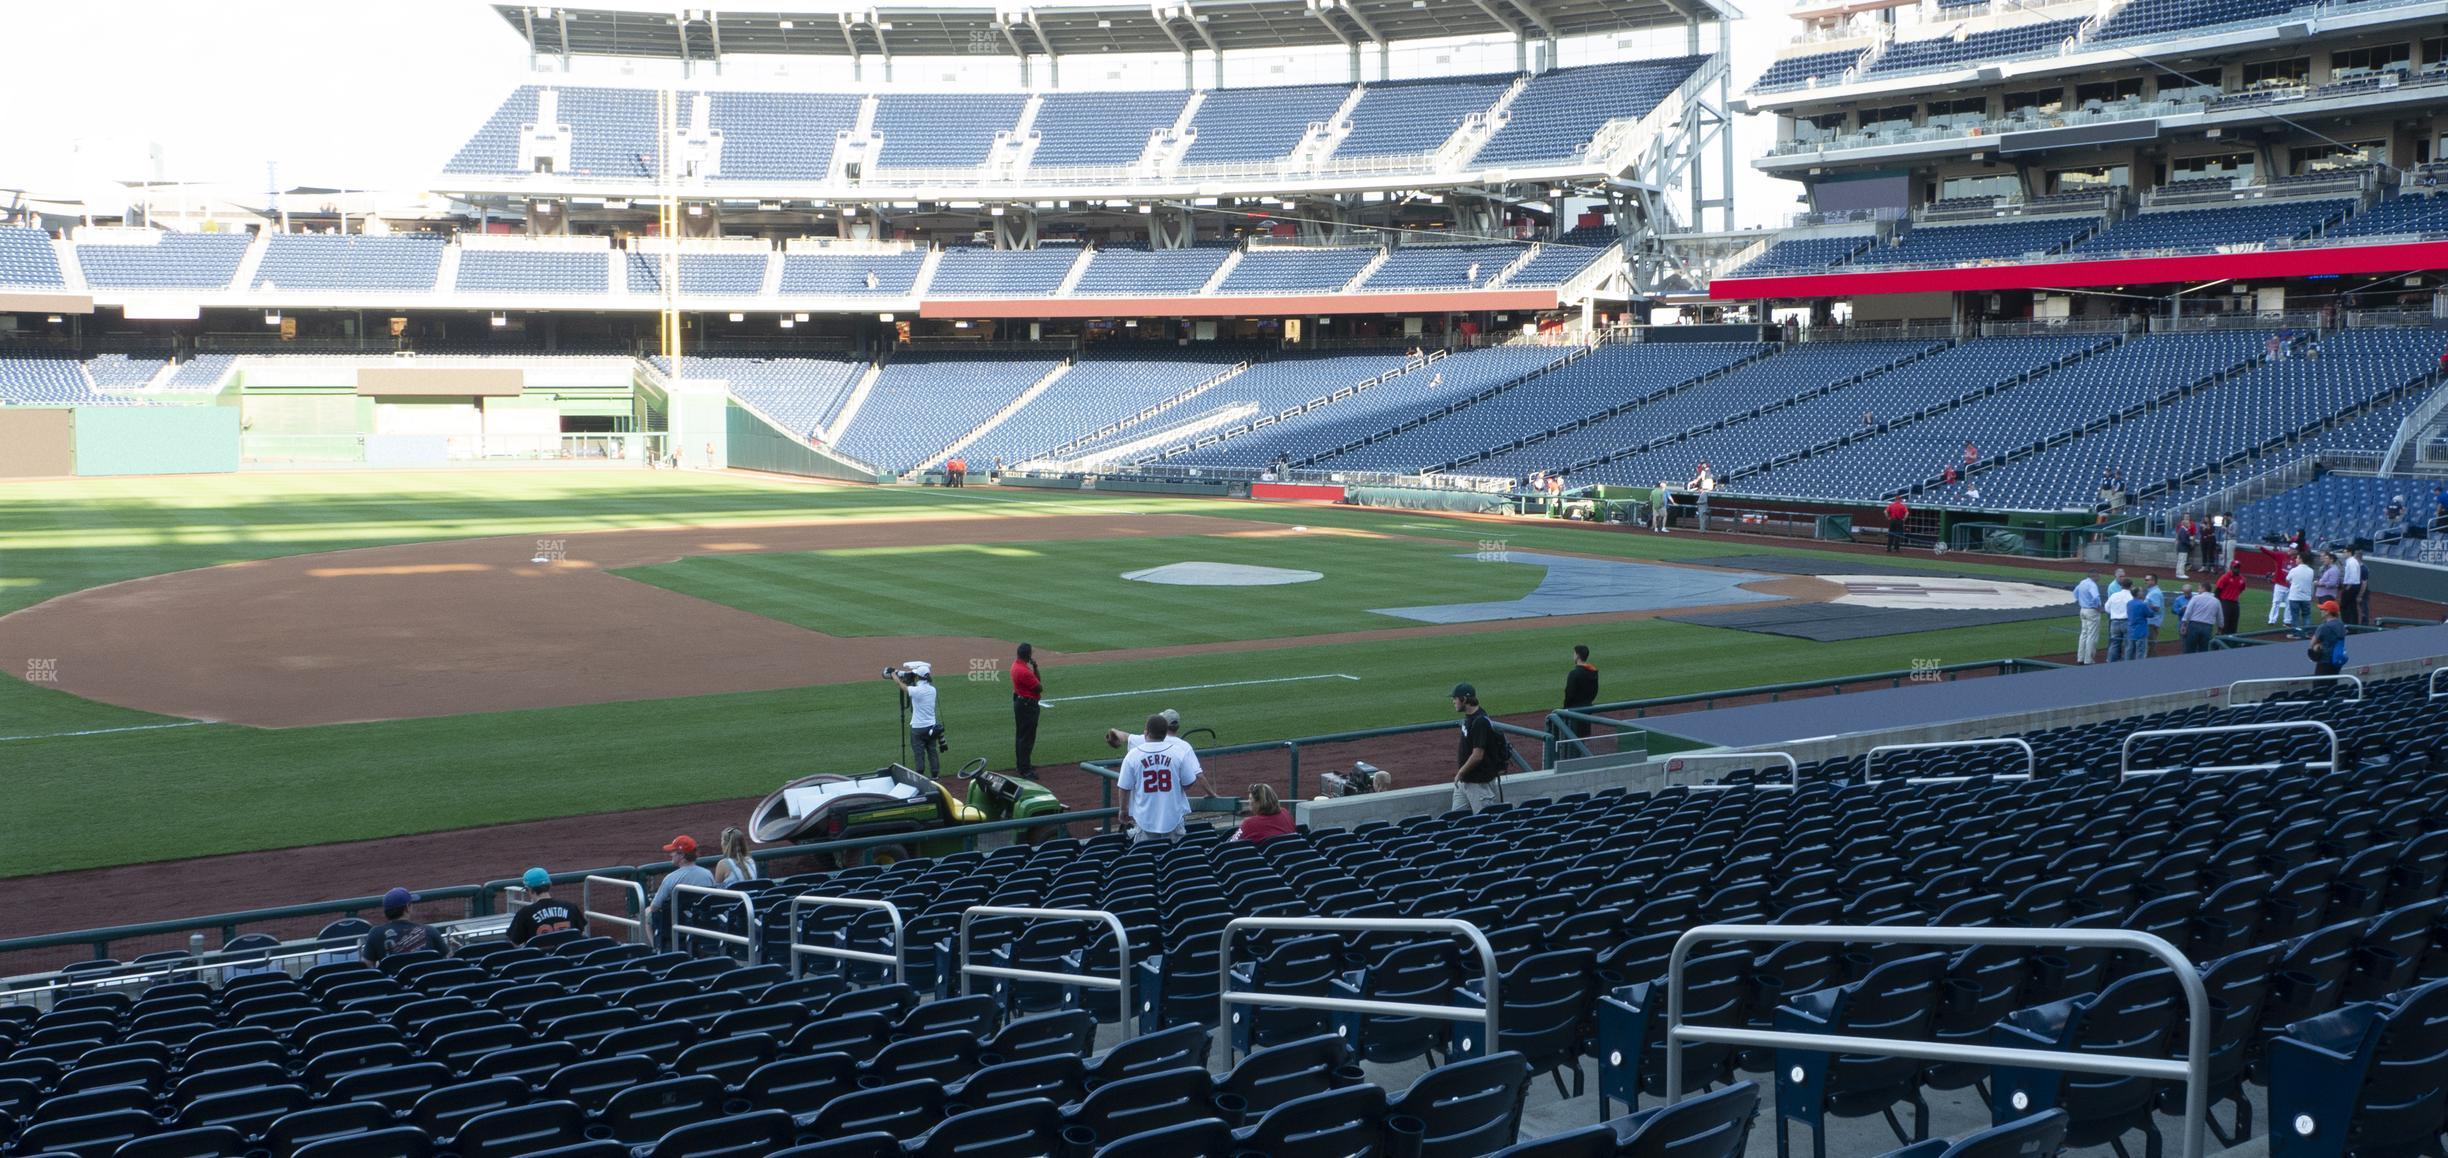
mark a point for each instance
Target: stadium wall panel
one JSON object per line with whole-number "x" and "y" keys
{"x": 37, "y": 442}
{"x": 122, "y": 440}
{"x": 751, "y": 443}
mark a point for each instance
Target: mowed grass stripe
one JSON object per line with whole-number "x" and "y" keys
{"x": 1070, "y": 595}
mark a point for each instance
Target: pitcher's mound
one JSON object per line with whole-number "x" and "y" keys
{"x": 1221, "y": 575}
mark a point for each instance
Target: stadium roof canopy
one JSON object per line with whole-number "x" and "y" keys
{"x": 1066, "y": 27}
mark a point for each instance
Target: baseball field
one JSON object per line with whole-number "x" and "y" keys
{"x": 212, "y": 665}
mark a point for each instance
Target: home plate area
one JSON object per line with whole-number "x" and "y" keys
{"x": 1893, "y": 604}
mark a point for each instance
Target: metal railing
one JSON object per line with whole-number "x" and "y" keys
{"x": 43, "y": 988}
{"x": 2126, "y": 770}
{"x": 1107, "y": 769}
{"x": 1119, "y": 983}
{"x": 2277, "y": 680}
{"x": 2031, "y": 760}
{"x": 633, "y": 920}
{"x": 1793, "y": 768}
{"x": 2433, "y": 687}
{"x": 747, "y": 940}
{"x": 1227, "y": 996}
{"x": 799, "y": 950}
{"x": 2193, "y": 1071}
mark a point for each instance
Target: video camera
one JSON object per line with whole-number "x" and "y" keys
{"x": 1364, "y": 779}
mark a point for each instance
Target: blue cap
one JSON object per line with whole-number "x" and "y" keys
{"x": 537, "y": 878}
{"x": 399, "y": 899}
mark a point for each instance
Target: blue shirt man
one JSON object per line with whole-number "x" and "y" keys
{"x": 2087, "y": 594}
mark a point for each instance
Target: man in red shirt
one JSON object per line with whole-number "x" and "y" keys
{"x": 1896, "y": 511}
{"x": 1027, "y": 689}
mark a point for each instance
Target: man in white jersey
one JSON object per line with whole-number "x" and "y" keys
{"x": 1155, "y": 779}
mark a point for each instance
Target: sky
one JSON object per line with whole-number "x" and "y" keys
{"x": 359, "y": 94}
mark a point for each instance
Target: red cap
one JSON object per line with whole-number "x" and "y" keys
{"x": 682, "y": 843}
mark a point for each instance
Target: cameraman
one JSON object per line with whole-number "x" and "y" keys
{"x": 917, "y": 680}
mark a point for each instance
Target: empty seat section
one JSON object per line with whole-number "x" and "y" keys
{"x": 983, "y": 273}
{"x": 779, "y": 136}
{"x": 1988, "y": 242}
{"x": 846, "y": 274}
{"x": 1963, "y": 50}
{"x": 1100, "y": 128}
{"x": 942, "y": 130}
{"x": 1803, "y": 255}
{"x": 1107, "y": 386}
{"x": 171, "y": 261}
{"x": 1557, "y": 263}
{"x": 1807, "y": 70}
{"x": 922, "y": 402}
{"x": 1427, "y": 267}
{"x": 1557, "y": 113}
{"x": 1416, "y": 116}
{"x": 1258, "y": 124}
{"x": 800, "y": 394}
{"x": 1140, "y": 271}
{"x": 713, "y": 274}
{"x": 1289, "y": 269}
{"x": 2180, "y": 230}
{"x": 409, "y": 263}
{"x": 535, "y": 271}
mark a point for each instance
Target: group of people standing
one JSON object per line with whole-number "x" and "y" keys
{"x": 2131, "y": 614}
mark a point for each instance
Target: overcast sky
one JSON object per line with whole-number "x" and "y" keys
{"x": 355, "y": 94}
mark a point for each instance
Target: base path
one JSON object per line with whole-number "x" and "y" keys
{"x": 475, "y": 625}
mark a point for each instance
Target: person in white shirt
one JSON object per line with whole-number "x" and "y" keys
{"x": 2120, "y": 597}
{"x": 2299, "y": 598}
{"x": 1155, "y": 780}
{"x": 2087, "y": 603}
{"x": 2278, "y": 597}
{"x": 917, "y": 680}
{"x": 2351, "y": 592}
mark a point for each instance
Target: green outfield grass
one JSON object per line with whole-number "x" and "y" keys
{"x": 1078, "y": 598}
{"x": 218, "y": 788}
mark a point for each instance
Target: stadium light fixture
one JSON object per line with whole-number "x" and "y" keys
{"x": 786, "y": 25}
{"x": 1144, "y": 207}
{"x": 960, "y": 325}
{"x": 994, "y": 211}
{"x": 501, "y": 321}
{"x": 787, "y": 323}
{"x": 738, "y": 316}
{"x": 271, "y": 317}
{"x": 801, "y": 317}
{"x": 884, "y": 317}
{"x": 53, "y": 319}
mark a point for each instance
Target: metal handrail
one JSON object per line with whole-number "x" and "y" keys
{"x": 2231, "y": 688}
{"x": 1227, "y": 996}
{"x": 2194, "y": 1070}
{"x": 2031, "y": 760}
{"x": 1793, "y": 768}
{"x": 2125, "y": 768}
{"x": 747, "y": 940}
{"x": 160, "y": 971}
{"x": 635, "y": 921}
{"x": 2433, "y": 687}
{"x": 898, "y": 958}
{"x": 1119, "y": 983}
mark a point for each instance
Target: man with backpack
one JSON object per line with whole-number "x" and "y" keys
{"x": 1483, "y": 754}
{"x": 2328, "y": 651}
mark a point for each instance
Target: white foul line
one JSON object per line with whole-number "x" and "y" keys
{"x": 105, "y": 731}
{"x": 1203, "y": 687}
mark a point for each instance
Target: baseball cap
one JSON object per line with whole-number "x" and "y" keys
{"x": 399, "y": 899}
{"x": 2329, "y": 605}
{"x": 536, "y": 878}
{"x": 682, "y": 843}
{"x": 1461, "y": 690}
{"x": 1172, "y": 719}
{"x": 919, "y": 667}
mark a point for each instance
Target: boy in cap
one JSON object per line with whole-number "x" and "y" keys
{"x": 397, "y": 934}
{"x": 1483, "y": 754}
{"x": 685, "y": 871}
{"x": 542, "y": 914}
